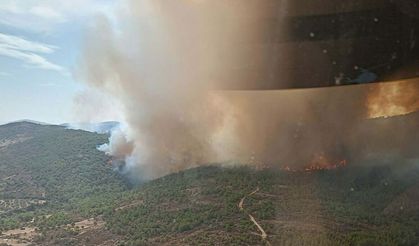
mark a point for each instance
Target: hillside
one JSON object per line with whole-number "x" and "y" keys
{"x": 337, "y": 207}
{"x": 50, "y": 176}
{"x": 57, "y": 189}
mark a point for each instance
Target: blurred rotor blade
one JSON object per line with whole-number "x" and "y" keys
{"x": 326, "y": 43}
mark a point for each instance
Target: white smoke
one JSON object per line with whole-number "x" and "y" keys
{"x": 157, "y": 60}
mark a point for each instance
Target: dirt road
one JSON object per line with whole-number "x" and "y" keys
{"x": 263, "y": 234}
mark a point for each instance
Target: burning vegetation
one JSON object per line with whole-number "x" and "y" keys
{"x": 392, "y": 99}
{"x": 320, "y": 162}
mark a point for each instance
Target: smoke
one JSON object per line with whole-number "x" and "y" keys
{"x": 291, "y": 128}
{"x": 119, "y": 146}
{"x": 93, "y": 106}
{"x": 158, "y": 61}
{"x": 163, "y": 61}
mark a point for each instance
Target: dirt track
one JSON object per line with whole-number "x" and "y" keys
{"x": 263, "y": 234}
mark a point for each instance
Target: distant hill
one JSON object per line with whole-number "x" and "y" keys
{"x": 56, "y": 188}
{"x": 101, "y": 127}
{"x": 30, "y": 121}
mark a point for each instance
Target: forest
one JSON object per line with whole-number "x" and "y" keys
{"x": 56, "y": 188}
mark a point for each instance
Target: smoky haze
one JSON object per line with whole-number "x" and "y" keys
{"x": 161, "y": 60}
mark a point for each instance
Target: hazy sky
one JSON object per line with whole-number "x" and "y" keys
{"x": 40, "y": 42}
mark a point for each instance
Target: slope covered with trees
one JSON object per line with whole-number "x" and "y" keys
{"x": 51, "y": 176}
{"x": 360, "y": 206}
{"x": 56, "y": 188}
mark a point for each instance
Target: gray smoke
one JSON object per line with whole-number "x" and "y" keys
{"x": 161, "y": 61}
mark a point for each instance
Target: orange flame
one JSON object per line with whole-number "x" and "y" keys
{"x": 392, "y": 99}
{"x": 319, "y": 162}
{"x": 325, "y": 166}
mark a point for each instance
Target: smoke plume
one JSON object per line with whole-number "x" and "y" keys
{"x": 162, "y": 60}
